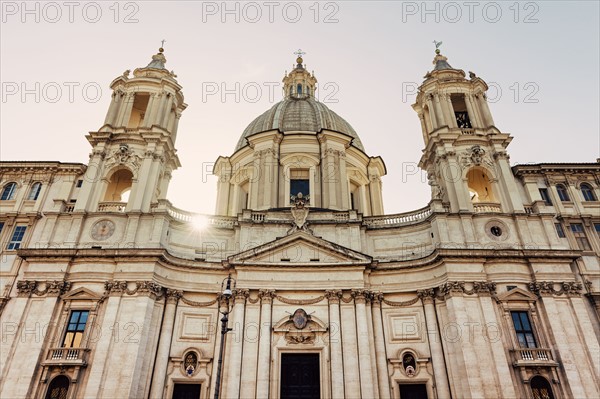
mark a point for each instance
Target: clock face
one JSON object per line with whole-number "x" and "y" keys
{"x": 102, "y": 230}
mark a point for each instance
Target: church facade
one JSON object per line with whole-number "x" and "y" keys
{"x": 492, "y": 290}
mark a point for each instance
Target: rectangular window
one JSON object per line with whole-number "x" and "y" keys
{"x": 1, "y": 227}
{"x": 75, "y": 329}
{"x": 545, "y": 196}
{"x": 523, "y": 329}
{"x": 580, "y": 237}
{"x": 79, "y": 183}
{"x": 596, "y": 227}
{"x": 559, "y": 230}
{"x": 299, "y": 182}
{"x": 17, "y": 237}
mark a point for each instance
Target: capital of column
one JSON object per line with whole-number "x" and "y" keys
{"x": 173, "y": 296}
{"x": 333, "y": 296}
{"x": 427, "y": 295}
{"x": 241, "y": 294}
{"x": 266, "y": 296}
{"x": 360, "y": 296}
{"x": 377, "y": 297}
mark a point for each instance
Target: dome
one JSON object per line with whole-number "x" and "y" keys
{"x": 299, "y": 114}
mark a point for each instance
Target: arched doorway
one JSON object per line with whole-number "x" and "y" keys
{"x": 540, "y": 388}
{"x": 58, "y": 388}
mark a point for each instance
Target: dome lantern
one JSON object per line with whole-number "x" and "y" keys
{"x": 299, "y": 83}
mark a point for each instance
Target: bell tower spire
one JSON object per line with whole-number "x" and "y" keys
{"x": 133, "y": 153}
{"x": 465, "y": 153}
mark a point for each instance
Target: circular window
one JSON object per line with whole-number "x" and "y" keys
{"x": 496, "y": 231}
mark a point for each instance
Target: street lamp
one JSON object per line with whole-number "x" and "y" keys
{"x": 225, "y": 306}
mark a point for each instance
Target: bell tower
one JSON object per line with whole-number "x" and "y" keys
{"x": 133, "y": 153}
{"x": 465, "y": 153}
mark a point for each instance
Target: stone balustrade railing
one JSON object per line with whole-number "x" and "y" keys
{"x": 112, "y": 206}
{"x": 529, "y": 355}
{"x": 224, "y": 222}
{"x": 487, "y": 207}
{"x": 398, "y": 219}
{"x": 62, "y": 355}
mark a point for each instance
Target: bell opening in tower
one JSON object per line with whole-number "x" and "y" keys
{"x": 138, "y": 111}
{"x": 460, "y": 111}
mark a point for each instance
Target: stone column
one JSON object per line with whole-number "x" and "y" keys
{"x": 432, "y": 112}
{"x": 236, "y": 340}
{"x": 380, "y": 353}
{"x": 264, "y": 345}
{"x": 350, "y": 349}
{"x": 163, "y": 118}
{"x": 164, "y": 346}
{"x": 140, "y": 183}
{"x": 364, "y": 346}
{"x": 112, "y": 109}
{"x": 452, "y": 118}
{"x": 435, "y": 344}
{"x": 471, "y": 112}
{"x": 126, "y": 107}
{"x": 438, "y": 111}
{"x": 485, "y": 109}
{"x": 335, "y": 344}
{"x": 250, "y": 349}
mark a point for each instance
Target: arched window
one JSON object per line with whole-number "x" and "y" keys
{"x": 588, "y": 192}
{"x": 58, "y": 388}
{"x": 540, "y": 387}
{"x": 9, "y": 191}
{"x": 119, "y": 185}
{"x": 35, "y": 191}
{"x": 562, "y": 193}
{"x": 299, "y": 89}
{"x": 480, "y": 186}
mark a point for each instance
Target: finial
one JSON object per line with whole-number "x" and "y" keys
{"x": 437, "y": 46}
{"x": 299, "y": 53}
{"x": 162, "y": 45}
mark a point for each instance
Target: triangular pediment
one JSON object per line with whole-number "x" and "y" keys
{"x": 516, "y": 294}
{"x": 82, "y": 294}
{"x": 299, "y": 248}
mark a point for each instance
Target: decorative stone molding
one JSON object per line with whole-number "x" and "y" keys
{"x": 149, "y": 288}
{"x": 399, "y": 304}
{"x": 289, "y": 301}
{"x": 123, "y": 156}
{"x": 459, "y": 287}
{"x": 546, "y": 288}
{"x": 26, "y": 288}
{"x": 475, "y": 156}
{"x": 501, "y": 155}
{"x": 199, "y": 304}
{"x": 266, "y": 151}
{"x": 337, "y": 153}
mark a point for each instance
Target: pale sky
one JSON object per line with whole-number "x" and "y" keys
{"x": 540, "y": 58}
